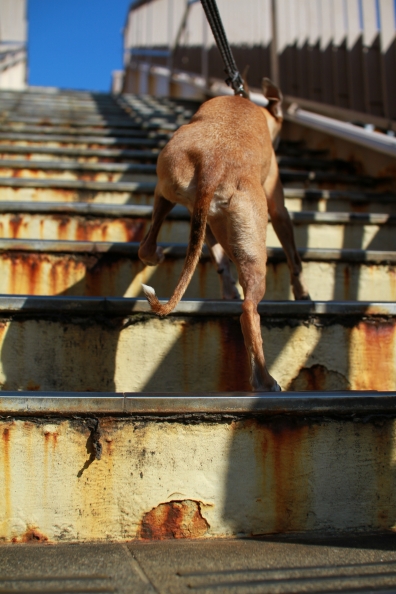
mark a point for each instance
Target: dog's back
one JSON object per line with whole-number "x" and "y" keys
{"x": 227, "y": 140}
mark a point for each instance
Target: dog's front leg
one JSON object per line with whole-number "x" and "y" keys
{"x": 222, "y": 263}
{"x": 283, "y": 228}
{"x": 149, "y": 253}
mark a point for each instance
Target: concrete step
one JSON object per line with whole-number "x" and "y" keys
{"x": 73, "y": 121}
{"x": 75, "y": 100}
{"x": 296, "y": 199}
{"x": 70, "y": 118}
{"x": 138, "y": 138}
{"x": 128, "y": 222}
{"x": 269, "y": 564}
{"x": 131, "y": 126}
{"x": 58, "y": 190}
{"x": 114, "y": 344}
{"x": 125, "y": 171}
{"x": 123, "y": 466}
{"x": 33, "y": 267}
{"x": 39, "y": 153}
{"x": 34, "y": 152}
{"x": 300, "y": 199}
{"x": 40, "y": 103}
{"x": 337, "y": 179}
{"x": 75, "y": 170}
{"x": 152, "y": 139}
{"x": 70, "y": 569}
{"x": 312, "y": 163}
{"x": 298, "y": 148}
{"x": 313, "y": 166}
{"x": 47, "y": 153}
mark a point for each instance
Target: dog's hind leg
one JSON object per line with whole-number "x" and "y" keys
{"x": 242, "y": 232}
{"x": 252, "y": 279}
{"x": 222, "y": 263}
{"x": 284, "y": 230}
{"x": 149, "y": 252}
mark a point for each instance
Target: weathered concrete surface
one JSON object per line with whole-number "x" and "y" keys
{"x": 70, "y": 173}
{"x": 54, "y": 348}
{"x": 153, "y": 140}
{"x": 79, "y": 155}
{"x": 94, "y": 568}
{"x": 154, "y": 478}
{"x": 77, "y": 191}
{"x": 296, "y": 199}
{"x": 269, "y": 565}
{"x": 106, "y": 269}
{"x": 335, "y": 234}
{"x": 124, "y": 172}
{"x": 197, "y": 406}
{"x": 78, "y": 228}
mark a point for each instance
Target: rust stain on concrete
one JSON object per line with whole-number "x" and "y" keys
{"x": 174, "y": 519}
{"x": 63, "y": 227}
{"x": 382, "y": 438}
{"x": 51, "y": 437}
{"x": 6, "y": 437}
{"x": 392, "y": 281}
{"x": 318, "y": 377}
{"x": 347, "y": 281}
{"x": 378, "y": 347}
{"x": 31, "y": 536}
{"x": 15, "y": 225}
{"x": 283, "y": 467}
{"x": 25, "y": 272}
{"x": 234, "y": 372}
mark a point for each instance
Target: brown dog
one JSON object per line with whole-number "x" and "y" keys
{"x": 222, "y": 167}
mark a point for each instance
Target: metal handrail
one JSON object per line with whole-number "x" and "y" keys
{"x": 341, "y": 113}
{"x": 382, "y": 143}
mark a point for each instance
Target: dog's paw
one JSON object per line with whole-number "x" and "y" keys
{"x": 303, "y": 297}
{"x": 231, "y": 293}
{"x": 300, "y": 291}
{"x": 151, "y": 259}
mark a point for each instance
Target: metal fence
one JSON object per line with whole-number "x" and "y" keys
{"x": 338, "y": 52}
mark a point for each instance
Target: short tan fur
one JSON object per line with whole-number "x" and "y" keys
{"x": 223, "y": 168}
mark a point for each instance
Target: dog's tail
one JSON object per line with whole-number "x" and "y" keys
{"x": 197, "y": 238}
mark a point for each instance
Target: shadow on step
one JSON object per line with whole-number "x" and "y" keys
{"x": 59, "y": 350}
{"x": 376, "y": 541}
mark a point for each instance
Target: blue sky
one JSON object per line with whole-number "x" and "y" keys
{"x": 75, "y": 43}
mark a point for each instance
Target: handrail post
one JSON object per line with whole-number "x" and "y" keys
{"x": 274, "y": 44}
{"x": 204, "y": 53}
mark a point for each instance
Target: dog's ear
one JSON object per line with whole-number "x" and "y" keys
{"x": 274, "y": 96}
{"x": 244, "y": 78}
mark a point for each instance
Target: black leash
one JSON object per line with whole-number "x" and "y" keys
{"x": 234, "y": 79}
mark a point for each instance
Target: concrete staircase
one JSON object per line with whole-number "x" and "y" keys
{"x": 126, "y": 419}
